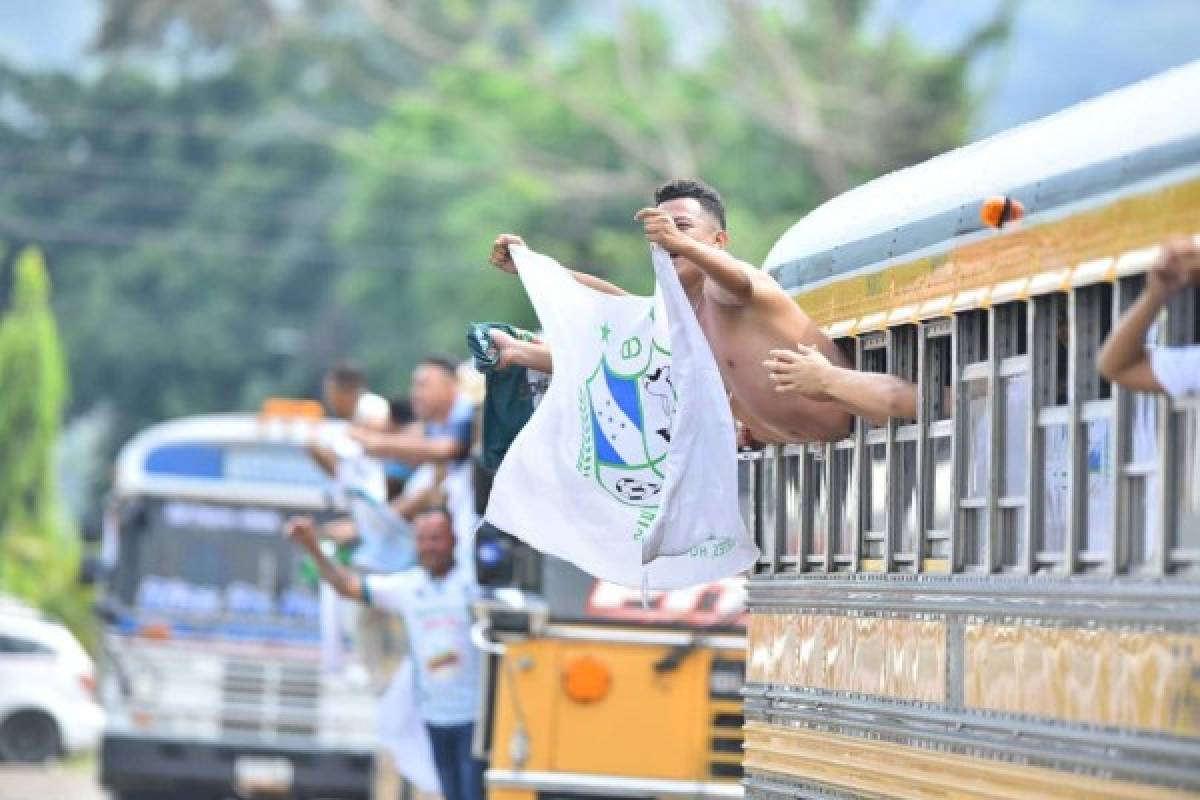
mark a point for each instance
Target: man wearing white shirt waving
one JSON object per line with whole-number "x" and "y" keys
{"x": 434, "y": 598}
{"x": 1125, "y": 359}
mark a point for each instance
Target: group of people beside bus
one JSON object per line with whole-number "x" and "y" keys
{"x": 786, "y": 382}
{"x": 403, "y": 471}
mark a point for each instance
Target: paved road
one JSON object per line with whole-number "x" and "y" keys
{"x": 59, "y": 781}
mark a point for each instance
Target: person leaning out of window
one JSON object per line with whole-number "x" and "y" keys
{"x": 1125, "y": 358}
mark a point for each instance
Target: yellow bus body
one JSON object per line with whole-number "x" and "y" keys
{"x": 869, "y": 675}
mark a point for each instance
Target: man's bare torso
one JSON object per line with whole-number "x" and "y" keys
{"x": 741, "y": 336}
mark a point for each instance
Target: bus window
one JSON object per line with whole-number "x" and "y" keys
{"x": 842, "y": 485}
{"x": 1092, "y": 320}
{"x": 1051, "y": 454}
{"x": 1183, "y": 437}
{"x": 1139, "y": 471}
{"x": 1011, "y": 347}
{"x": 873, "y": 357}
{"x": 975, "y": 437}
{"x": 937, "y": 403}
{"x": 794, "y": 521}
{"x": 816, "y": 485}
{"x": 903, "y": 363}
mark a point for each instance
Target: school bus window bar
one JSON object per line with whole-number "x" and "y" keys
{"x": 1042, "y": 468}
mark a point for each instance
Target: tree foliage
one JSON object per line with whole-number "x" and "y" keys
{"x": 248, "y": 191}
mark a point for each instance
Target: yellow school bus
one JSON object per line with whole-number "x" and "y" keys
{"x": 588, "y": 693}
{"x": 1000, "y": 598}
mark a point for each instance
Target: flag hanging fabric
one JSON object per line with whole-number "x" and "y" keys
{"x": 627, "y": 467}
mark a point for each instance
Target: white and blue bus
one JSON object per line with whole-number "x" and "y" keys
{"x": 212, "y": 671}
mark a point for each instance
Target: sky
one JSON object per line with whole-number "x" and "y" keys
{"x": 1061, "y": 51}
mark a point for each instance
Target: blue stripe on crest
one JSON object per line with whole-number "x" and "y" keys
{"x": 624, "y": 392}
{"x": 604, "y": 449}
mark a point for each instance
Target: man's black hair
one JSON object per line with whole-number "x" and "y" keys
{"x": 442, "y": 362}
{"x": 441, "y": 510}
{"x": 346, "y": 376}
{"x": 699, "y": 191}
{"x": 401, "y": 410}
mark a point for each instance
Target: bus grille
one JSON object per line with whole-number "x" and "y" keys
{"x": 269, "y": 701}
{"x": 725, "y": 719}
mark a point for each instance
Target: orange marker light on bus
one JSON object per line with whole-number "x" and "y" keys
{"x": 291, "y": 408}
{"x": 586, "y": 679}
{"x": 1000, "y": 209}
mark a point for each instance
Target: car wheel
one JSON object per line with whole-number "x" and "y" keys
{"x": 29, "y": 737}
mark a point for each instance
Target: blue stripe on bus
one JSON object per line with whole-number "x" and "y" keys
{"x": 187, "y": 460}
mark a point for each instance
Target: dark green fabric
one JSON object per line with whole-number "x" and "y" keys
{"x": 508, "y": 404}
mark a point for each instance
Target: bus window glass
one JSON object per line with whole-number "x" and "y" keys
{"x": 793, "y": 503}
{"x": 908, "y": 497}
{"x": 1056, "y": 454}
{"x": 1015, "y": 393}
{"x": 845, "y": 496}
{"x": 877, "y": 520}
{"x": 814, "y": 463}
{"x": 1098, "y": 514}
{"x": 1188, "y": 481}
{"x": 977, "y": 447}
{"x": 941, "y": 481}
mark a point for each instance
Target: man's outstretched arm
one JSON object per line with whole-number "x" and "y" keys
{"x": 303, "y": 532}
{"x": 1124, "y": 359}
{"x": 514, "y": 351}
{"x": 501, "y": 258}
{"x": 732, "y": 276}
{"x": 872, "y": 395}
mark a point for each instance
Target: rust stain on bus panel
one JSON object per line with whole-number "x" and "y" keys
{"x": 1125, "y": 679}
{"x": 896, "y": 658}
{"x": 884, "y": 769}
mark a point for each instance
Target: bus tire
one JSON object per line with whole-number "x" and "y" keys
{"x": 29, "y": 737}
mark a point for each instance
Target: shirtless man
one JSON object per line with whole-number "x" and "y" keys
{"x": 743, "y": 312}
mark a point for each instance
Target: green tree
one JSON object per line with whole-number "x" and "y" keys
{"x": 38, "y": 550}
{"x": 562, "y": 144}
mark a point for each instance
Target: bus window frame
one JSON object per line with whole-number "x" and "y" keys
{"x": 868, "y": 436}
{"x": 1047, "y": 413}
{"x": 930, "y": 429}
{"x": 1010, "y": 362}
{"x": 1182, "y": 328}
{"x": 1088, "y": 404}
{"x": 974, "y": 363}
{"x": 904, "y": 358}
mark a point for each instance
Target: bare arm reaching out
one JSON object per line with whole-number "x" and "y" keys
{"x": 303, "y": 532}
{"x": 1124, "y": 358}
{"x": 872, "y": 395}
{"x": 501, "y": 258}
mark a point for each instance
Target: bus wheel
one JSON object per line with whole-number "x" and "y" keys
{"x": 29, "y": 737}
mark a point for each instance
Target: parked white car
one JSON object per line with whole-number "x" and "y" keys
{"x": 47, "y": 689}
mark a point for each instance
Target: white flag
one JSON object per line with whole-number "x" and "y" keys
{"x": 627, "y": 467}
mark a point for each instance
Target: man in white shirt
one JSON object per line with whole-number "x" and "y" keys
{"x": 434, "y": 599}
{"x": 1126, "y": 360}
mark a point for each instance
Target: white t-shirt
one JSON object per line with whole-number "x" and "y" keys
{"x": 437, "y": 618}
{"x": 1177, "y": 369}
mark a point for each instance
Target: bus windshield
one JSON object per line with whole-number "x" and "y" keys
{"x": 201, "y": 559}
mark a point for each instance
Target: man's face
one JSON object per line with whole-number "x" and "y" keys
{"x": 695, "y": 222}
{"x": 432, "y": 392}
{"x": 435, "y": 542}
{"x": 340, "y": 400}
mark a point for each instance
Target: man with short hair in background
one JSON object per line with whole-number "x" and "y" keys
{"x": 439, "y": 446}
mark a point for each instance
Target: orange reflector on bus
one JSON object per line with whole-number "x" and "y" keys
{"x": 586, "y": 679}
{"x": 154, "y": 630}
{"x": 999, "y": 210}
{"x": 291, "y": 408}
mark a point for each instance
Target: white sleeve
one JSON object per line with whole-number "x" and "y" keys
{"x": 387, "y": 591}
{"x": 1177, "y": 369}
